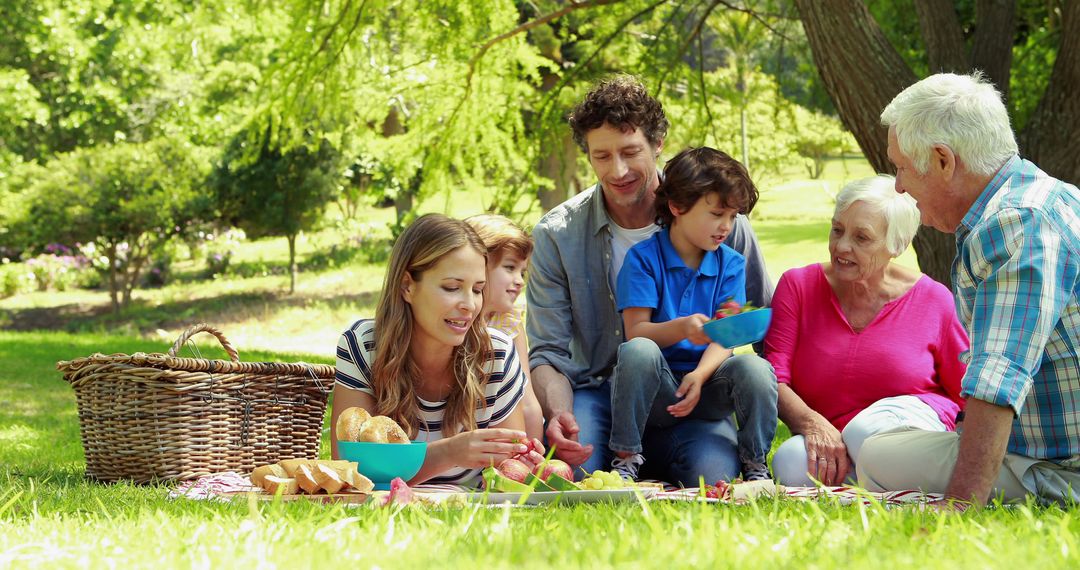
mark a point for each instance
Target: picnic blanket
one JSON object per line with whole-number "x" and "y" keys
{"x": 219, "y": 486}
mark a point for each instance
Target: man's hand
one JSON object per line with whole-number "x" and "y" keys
{"x": 982, "y": 449}
{"x": 949, "y": 505}
{"x": 562, "y": 434}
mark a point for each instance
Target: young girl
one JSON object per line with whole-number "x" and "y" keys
{"x": 508, "y": 249}
{"x": 429, "y": 362}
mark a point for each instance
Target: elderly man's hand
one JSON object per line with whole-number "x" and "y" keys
{"x": 562, "y": 434}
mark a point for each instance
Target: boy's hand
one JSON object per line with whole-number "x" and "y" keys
{"x": 690, "y": 392}
{"x": 692, "y": 330}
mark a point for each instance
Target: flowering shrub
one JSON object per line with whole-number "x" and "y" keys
{"x": 14, "y": 279}
{"x": 58, "y": 268}
{"x": 220, "y": 249}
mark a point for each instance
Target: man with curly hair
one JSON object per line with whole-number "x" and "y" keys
{"x": 573, "y": 325}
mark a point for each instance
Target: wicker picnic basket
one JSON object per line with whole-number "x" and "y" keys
{"x": 160, "y": 417}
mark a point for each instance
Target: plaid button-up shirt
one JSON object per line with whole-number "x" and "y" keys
{"x": 1016, "y": 277}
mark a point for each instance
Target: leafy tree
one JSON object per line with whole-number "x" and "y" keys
{"x": 125, "y": 199}
{"x": 271, "y": 191}
{"x": 863, "y": 71}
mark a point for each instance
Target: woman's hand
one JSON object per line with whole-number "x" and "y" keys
{"x": 534, "y": 456}
{"x": 826, "y": 455}
{"x": 480, "y": 448}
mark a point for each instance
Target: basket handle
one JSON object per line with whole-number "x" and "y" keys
{"x": 203, "y": 327}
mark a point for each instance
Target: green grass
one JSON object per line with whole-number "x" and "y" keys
{"x": 51, "y": 516}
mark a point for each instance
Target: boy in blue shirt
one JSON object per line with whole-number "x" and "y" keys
{"x": 669, "y": 286}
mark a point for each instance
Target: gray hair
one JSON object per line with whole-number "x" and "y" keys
{"x": 899, "y": 210}
{"x": 963, "y": 112}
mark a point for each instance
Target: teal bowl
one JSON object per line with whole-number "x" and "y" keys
{"x": 382, "y": 462}
{"x": 740, "y": 329}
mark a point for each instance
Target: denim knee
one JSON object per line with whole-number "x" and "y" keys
{"x": 638, "y": 353}
{"x": 755, "y": 375}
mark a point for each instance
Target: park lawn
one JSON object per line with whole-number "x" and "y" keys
{"x": 50, "y": 515}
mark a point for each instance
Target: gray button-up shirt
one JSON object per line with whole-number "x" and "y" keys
{"x": 572, "y": 322}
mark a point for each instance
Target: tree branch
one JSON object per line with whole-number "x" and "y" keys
{"x": 686, "y": 45}
{"x": 757, "y": 16}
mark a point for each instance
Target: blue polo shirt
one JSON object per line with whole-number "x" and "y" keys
{"x": 654, "y": 276}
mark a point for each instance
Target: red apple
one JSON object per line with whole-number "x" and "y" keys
{"x": 554, "y": 467}
{"x": 514, "y": 469}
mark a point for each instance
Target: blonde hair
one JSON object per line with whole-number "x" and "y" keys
{"x": 394, "y": 373}
{"x": 500, "y": 234}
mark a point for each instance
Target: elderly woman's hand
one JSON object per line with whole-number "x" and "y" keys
{"x": 826, "y": 455}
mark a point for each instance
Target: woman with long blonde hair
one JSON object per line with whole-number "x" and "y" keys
{"x": 428, "y": 361}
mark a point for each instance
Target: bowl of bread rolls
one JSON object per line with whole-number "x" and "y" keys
{"x": 379, "y": 445}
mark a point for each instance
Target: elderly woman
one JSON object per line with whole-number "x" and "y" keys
{"x": 860, "y": 344}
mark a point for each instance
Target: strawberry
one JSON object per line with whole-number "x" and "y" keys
{"x": 731, "y": 305}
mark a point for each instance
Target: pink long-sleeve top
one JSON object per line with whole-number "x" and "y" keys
{"x": 912, "y": 347}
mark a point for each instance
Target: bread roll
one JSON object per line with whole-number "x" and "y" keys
{"x": 349, "y": 423}
{"x": 381, "y": 429}
{"x": 260, "y": 473}
{"x": 271, "y": 483}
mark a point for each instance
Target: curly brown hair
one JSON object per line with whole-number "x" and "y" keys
{"x": 698, "y": 172}
{"x": 622, "y": 102}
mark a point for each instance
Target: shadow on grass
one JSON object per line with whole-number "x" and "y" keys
{"x": 146, "y": 316}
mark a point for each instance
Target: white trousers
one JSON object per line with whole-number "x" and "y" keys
{"x": 914, "y": 459}
{"x": 887, "y": 414}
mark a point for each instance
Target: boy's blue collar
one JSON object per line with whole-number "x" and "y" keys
{"x": 710, "y": 265}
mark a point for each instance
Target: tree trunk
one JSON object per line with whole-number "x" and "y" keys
{"x": 560, "y": 161}
{"x": 114, "y": 296}
{"x": 859, "y": 67}
{"x": 292, "y": 263}
{"x": 995, "y": 25}
{"x": 1049, "y": 138}
{"x": 943, "y": 37}
{"x": 862, "y": 73}
{"x": 560, "y": 165}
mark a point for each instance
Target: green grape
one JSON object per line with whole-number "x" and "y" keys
{"x": 593, "y": 483}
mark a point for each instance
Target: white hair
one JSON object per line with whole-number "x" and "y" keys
{"x": 899, "y": 210}
{"x": 963, "y": 112}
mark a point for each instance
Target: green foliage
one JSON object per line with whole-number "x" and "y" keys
{"x": 273, "y": 191}
{"x": 819, "y": 137}
{"x": 125, "y": 199}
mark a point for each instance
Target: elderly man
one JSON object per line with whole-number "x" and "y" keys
{"x": 1015, "y": 278}
{"x": 573, "y": 326}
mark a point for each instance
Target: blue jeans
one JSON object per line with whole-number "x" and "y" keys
{"x": 685, "y": 453}
{"x": 643, "y": 386}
